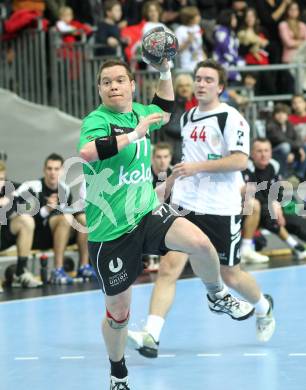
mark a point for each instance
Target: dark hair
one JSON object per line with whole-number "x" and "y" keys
{"x": 54, "y": 157}
{"x": 257, "y": 27}
{"x": 280, "y": 107}
{"x": 210, "y": 63}
{"x": 260, "y": 139}
{"x": 225, "y": 18}
{"x": 147, "y": 5}
{"x": 187, "y": 14}
{"x": 162, "y": 146}
{"x": 110, "y": 64}
{"x": 110, "y": 4}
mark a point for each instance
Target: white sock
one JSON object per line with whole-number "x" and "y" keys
{"x": 247, "y": 243}
{"x": 154, "y": 326}
{"x": 291, "y": 242}
{"x": 262, "y": 306}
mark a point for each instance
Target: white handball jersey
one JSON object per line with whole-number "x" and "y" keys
{"x": 211, "y": 135}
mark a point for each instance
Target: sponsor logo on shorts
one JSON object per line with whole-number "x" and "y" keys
{"x": 115, "y": 265}
{"x": 120, "y": 276}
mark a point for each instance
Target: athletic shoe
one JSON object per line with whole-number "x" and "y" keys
{"x": 265, "y": 324}
{"x": 86, "y": 272}
{"x": 299, "y": 252}
{"x": 144, "y": 343}
{"x": 225, "y": 303}
{"x": 59, "y": 276}
{"x": 248, "y": 255}
{"x": 119, "y": 384}
{"x": 26, "y": 280}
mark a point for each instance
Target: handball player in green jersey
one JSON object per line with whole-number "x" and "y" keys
{"x": 124, "y": 217}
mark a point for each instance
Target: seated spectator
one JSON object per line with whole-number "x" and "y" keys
{"x": 185, "y": 100}
{"x": 54, "y": 219}
{"x": 262, "y": 169}
{"x": 298, "y": 117}
{"x": 70, "y": 28}
{"x": 226, "y": 46}
{"x": 108, "y": 31}
{"x": 287, "y": 146}
{"x": 16, "y": 230}
{"x": 189, "y": 35}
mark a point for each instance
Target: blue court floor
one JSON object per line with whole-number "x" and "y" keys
{"x": 54, "y": 343}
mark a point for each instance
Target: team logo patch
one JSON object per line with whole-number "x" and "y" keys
{"x": 115, "y": 265}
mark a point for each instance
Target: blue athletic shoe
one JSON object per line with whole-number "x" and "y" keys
{"x": 59, "y": 276}
{"x": 86, "y": 272}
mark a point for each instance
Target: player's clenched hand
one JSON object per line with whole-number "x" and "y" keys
{"x": 185, "y": 169}
{"x": 144, "y": 123}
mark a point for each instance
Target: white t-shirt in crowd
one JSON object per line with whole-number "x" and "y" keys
{"x": 189, "y": 57}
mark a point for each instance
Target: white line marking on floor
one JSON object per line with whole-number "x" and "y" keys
{"x": 72, "y": 357}
{"x": 297, "y": 354}
{"x": 254, "y": 354}
{"x": 167, "y": 356}
{"x": 27, "y": 358}
{"x": 209, "y": 354}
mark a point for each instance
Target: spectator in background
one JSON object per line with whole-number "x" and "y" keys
{"x": 108, "y": 31}
{"x": 270, "y": 13}
{"x": 298, "y": 117}
{"x": 240, "y": 8}
{"x": 86, "y": 11}
{"x": 226, "y": 47}
{"x": 70, "y": 28}
{"x": 293, "y": 35}
{"x": 262, "y": 169}
{"x": 287, "y": 146}
{"x": 54, "y": 218}
{"x": 185, "y": 100}
{"x": 189, "y": 35}
{"x": 252, "y": 46}
{"x": 16, "y": 230}
{"x": 292, "y": 32}
{"x": 151, "y": 12}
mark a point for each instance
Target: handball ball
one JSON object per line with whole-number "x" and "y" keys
{"x": 157, "y": 44}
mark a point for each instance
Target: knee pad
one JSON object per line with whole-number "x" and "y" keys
{"x": 115, "y": 324}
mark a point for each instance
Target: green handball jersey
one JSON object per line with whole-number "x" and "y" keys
{"x": 119, "y": 191}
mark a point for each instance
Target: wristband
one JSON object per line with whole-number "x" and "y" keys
{"x": 133, "y": 136}
{"x": 165, "y": 75}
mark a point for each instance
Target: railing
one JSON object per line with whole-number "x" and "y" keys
{"x": 64, "y": 76}
{"x": 23, "y": 65}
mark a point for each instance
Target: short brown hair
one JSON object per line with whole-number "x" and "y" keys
{"x": 162, "y": 146}
{"x": 187, "y": 14}
{"x": 280, "y": 107}
{"x": 110, "y": 64}
{"x": 2, "y": 166}
{"x": 147, "y": 5}
{"x": 210, "y": 63}
{"x": 110, "y": 4}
